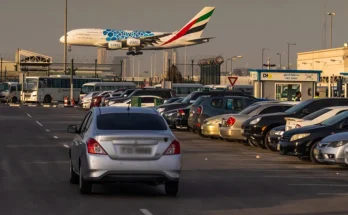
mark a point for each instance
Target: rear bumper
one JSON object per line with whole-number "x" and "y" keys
{"x": 211, "y": 130}
{"x": 231, "y": 134}
{"x": 104, "y": 169}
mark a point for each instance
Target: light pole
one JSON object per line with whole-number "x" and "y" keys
{"x": 331, "y": 16}
{"x": 138, "y": 71}
{"x": 289, "y": 44}
{"x": 263, "y": 49}
{"x": 151, "y": 66}
{"x": 280, "y": 60}
{"x": 234, "y": 58}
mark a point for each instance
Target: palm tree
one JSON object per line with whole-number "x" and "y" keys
{"x": 174, "y": 75}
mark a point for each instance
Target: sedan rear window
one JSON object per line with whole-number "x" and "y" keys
{"x": 130, "y": 121}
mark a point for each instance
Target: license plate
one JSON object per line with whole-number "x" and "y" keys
{"x": 136, "y": 150}
{"x": 278, "y": 147}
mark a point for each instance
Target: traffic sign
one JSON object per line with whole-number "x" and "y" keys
{"x": 232, "y": 80}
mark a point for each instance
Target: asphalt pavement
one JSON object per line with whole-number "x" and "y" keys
{"x": 218, "y": 177}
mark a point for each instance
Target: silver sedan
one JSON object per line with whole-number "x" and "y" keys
{"x": 121, "y": 144}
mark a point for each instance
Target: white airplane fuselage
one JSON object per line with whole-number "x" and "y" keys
{"x": 97, "y": 38}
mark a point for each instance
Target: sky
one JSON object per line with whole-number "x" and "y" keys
{"x": 241, "y": 27}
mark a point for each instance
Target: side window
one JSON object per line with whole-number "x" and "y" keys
{"x": 249, "y": 102}
{"x": 285, "y": 108}
{"x": 147, "y": 100}
{"x": 340, "y": 112}
{"x": 238, "y": 104}
{"x": 272, "y": 109}
{"x": 84, "y": 122}
{"x": 217, "y": 103}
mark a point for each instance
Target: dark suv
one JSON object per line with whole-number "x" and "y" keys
{"x": 190, "y": 99}
{"x": 208, "y": 106}
{"x": 257, "y": 128}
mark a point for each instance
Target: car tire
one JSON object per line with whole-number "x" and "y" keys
{"x": 312, "y": 157}
{"x": 268, "y": 144}
{"x": 201, "y": 134}
{"x": 252, "y": 143}
{"x": 85, "y": 187}
{"x": 74, "y": 178}
{"x": 172, "y": 188}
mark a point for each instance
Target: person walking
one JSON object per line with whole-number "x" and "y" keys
{"x": 316, "y": 95}
{"x": 298, "y": 96}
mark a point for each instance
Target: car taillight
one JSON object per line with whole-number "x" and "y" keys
{"x": 173, "y": 149}
{"x": 298, "y": 126}
{"x": 181, "y": 112}
{"x": 94, "y": 147}
{"x": 199, "y": 110}
{"x": 231, "y": 121}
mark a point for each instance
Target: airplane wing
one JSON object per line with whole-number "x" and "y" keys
{"x": 200, "y": 40}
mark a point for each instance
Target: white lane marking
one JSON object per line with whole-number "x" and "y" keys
{"x": 66, "y": 146}
{"x": 39, "y": 123}
{"x": 29, "y": 115}
{"x": 146, "y": 212}
{"x": 332, "y": 194}
{"x": 47, "y": 162}
{"x": 321, "y": 185}
{"x": 55, "y": 137}
{"x": 47, "y": 130}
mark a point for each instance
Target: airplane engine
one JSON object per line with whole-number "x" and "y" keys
{"x": 114, "y": 45}
{"x": 131, "y": 42}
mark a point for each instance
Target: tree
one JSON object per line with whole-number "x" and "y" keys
{"x": 174, "y": 75}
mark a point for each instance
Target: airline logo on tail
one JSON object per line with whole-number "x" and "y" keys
{"x": 195, "y": 26}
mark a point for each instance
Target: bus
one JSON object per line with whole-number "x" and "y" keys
{"x": 54, "y": 88}
{"x": 10, "y": 92}
{"x": 105, "y": 86}
{"x": 248, "y": 89}
{"x": 182, "y": 89}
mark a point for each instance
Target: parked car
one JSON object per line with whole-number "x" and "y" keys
{"x": 274, "y": 137}
{"x": 230, "y": 124}
{"x": 146, "y": 101}
{"x": 85, "y": 101}
{"x": 331, "y": 149}
{"x": 121, "y": 144}
{"x": 190, "y": 99}
{"x": 112, "y": 99}
{"x": 206, "y": 107}
{"x": 258, "y": 128}
{"x": 314, "y": 118}
{"x": 302, "y": 142}
{"x": 97, "y": 100}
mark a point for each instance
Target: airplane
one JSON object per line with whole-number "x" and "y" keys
{"x": 134, "y": 41}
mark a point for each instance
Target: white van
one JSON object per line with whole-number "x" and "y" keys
{"x": 10, "y": 92}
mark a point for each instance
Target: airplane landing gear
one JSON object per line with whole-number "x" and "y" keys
{"x": 132, "y": 52}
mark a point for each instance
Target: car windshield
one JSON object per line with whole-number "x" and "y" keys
{"x": 131, "y": 121}
{"x": 335, "y": 119}
{"x": 249, "y": 109}
{"x": 316, "y": 114}
{"x": 298, "y": 107}
{"x": 4, "y": 86}
{"x": 31, "y": 84}
{"x": 87, "y": 89}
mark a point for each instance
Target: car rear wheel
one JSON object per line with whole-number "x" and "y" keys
{"x": 268, "y": 145}
{"x": 74, "y": 178}
{"x": 85, "y": 187}
{"x": 172, "y": 188}
{"x": 252, "y": 143}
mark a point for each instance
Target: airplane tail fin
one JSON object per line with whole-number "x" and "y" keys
{"x": 195, "y": 27}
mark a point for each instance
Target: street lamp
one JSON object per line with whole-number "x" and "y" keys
{"x": 280, "y": 59}
{"x": 263, "y": 49}
{"x": 331, "y": 16}
{"x": 234, "y": 58}
{"x": 289, "y": 44}
{"x": 138, "y": 71}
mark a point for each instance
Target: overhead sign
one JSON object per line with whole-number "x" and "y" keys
{"x": 232, "y": 80}
{"x": 291, "y": 76}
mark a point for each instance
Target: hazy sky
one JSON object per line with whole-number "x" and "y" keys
{"x": 241, "y": 27}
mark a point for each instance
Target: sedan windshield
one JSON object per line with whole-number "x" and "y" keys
{"x": 335, "y": 119}
{"x": 131, "y": 121}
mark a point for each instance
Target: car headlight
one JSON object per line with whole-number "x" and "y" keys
{"x": 160, "y": 110}
{"x": 255, "y": 121}
{"x": 279, "y": 133}
{"x": 299, "y": 136}
{"x": 336, "y": 144}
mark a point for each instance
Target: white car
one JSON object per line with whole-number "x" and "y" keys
{"x": 314, "y": 118}
{"x": 86, "y": 100}
{"x": 146, "y": 101}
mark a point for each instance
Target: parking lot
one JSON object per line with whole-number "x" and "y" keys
{"x": 218, "y": 177}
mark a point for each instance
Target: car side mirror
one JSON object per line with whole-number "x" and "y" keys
{"x": 72, "y": 129}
